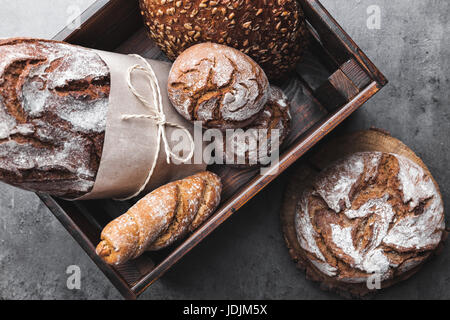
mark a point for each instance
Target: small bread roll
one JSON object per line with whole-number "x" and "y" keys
{"x": 265, "y": 135}
{"x": 218, "y": 86}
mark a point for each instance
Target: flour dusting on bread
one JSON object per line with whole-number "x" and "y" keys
{"x": 53, "y": 106}
{"x": 217, "y": 85}
{"x": 370, "y": 213}
{"x": 160, "y": 218}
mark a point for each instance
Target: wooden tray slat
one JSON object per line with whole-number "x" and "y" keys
{"x": 356, "y": 75}
{"x": 104, "y": 25}
{"x": 337, "y": 41}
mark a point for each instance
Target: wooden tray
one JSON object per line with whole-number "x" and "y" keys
{"x": 334, "y": 80}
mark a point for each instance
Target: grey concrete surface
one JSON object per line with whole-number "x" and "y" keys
{"x": 38, "y": 19}
{"x": 246, "y": 257}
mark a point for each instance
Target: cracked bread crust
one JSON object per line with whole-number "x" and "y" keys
{"x": 274, "y": 119}
{"x": 53, "y": 105}
{"x": 162, "y": 217}
{"x": 370, "y": 213}
{"x": 218, "y": 86}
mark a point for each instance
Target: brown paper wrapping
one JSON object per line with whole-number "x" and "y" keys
{"x": 130, "y": 145}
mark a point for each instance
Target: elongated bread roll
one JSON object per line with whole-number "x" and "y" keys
{"x": 160, "y": 218}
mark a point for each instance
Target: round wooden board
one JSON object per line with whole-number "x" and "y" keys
{"x": 370, "y": 140}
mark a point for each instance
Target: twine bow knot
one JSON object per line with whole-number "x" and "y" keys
{"x": 158, "y": 116}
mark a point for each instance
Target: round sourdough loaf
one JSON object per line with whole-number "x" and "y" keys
{"x": 53, "y": 106}
{"x": 217, "y": 85}
{"x": 271, "y": 32}
{"x": 370, "y": 217}
{"x": 255, "y": 144}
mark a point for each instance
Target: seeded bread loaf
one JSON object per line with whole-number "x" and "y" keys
{"x": 53, "y": 105}
{"x": 217, "y": 85}
{"x": 160, "y": 218}
{"x": 272, "y": 32}
{"x": 255, "y": 144}
{"x": 369, "y": 217}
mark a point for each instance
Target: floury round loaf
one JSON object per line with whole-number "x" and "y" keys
{"x": 272, "y": 32}
{"x": 371, "y": 214}
{"x": 53, "y": 106}
{"x": 217, "y": 85}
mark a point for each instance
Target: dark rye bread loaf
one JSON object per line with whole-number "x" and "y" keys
{"x": 369, "y": 215}
{"x": 53, "y": 106}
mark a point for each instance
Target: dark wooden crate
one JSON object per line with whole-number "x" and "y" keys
{"x": 334, "y": 80}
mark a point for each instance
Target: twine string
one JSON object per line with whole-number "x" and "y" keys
{"x": 158, "y": 116}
